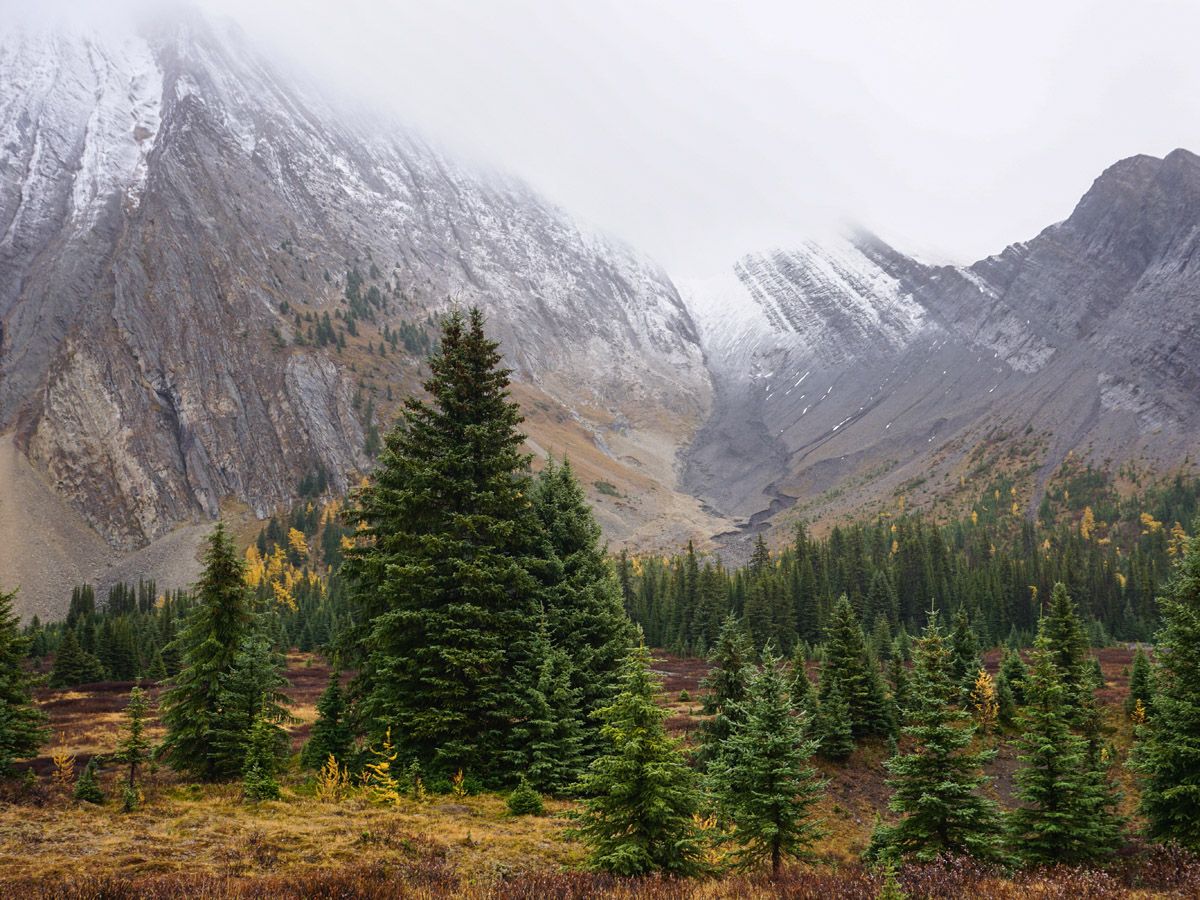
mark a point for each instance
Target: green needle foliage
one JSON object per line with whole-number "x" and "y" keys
{"x": 443, "y": 575}
{"x": 1067, "y": 812}
{"x": 936, "y": 775}
{"x": 1168, "y": 755}
{"x": 133, "y": 748}
{"x": 761, "y": 778}
{"x": 331, "y": 733}
{"x": 1141, "y": 683}
{"x": 525, "y": 801}
{"x": 22, "y": 726}
{"x": 73, "y": 665}
{"x": 87, "y": 786}
{"x": 641, "y": 796}
{"x": 835, "y": 736}
{"x": 851, "y": 668}
{"x": 263, "y": 751}
{"x": 208, "y": 644}
{"x": 725, "y": 686}
{"x": 582, "y": 601}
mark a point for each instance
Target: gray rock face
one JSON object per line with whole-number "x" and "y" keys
{"x": 850, "y": 368}
{"x": 168, "y": 204}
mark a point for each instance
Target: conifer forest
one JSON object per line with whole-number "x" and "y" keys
{"x": 449, "y": 662}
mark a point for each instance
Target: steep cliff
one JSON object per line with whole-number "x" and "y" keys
{"x": 176, "y": 222}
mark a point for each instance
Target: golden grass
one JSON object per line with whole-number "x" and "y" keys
{"x": 209, "y": 830}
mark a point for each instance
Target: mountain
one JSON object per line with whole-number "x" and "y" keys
{"x": 178, "y": 219}
{"x": 850, "y": 378}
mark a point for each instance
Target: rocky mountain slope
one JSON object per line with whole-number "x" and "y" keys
{"x": 176, "y": 222}
{"x": 850, "y": 377}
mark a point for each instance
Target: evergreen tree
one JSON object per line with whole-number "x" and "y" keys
{"x": 87, "y": 785}
{"x": 1141, "y": 683}
{"x": 725, "y": 687}
{"x": 855, "y": 673}
{"x": 964, "y": 659}
{"x": 73, "y": 665}
{"x": 22, "y": 726}
{"x": 1069, "y": 646}
{"x": 331, "y": 733}
{"x": 442, "y": 571}
{"x": 833, "y": 727}
{"x": 251, "y": 691}
{"x": 556, "y": 731}
{"x": 1013, "y": 673}
{"x": 761, "y": 778}
{"x": 263, "y": 751}
{"x": 641, "y": 796}
{"x": 582, "y": 599}
{"x": 1168, "y": 755}
{"x": 525, "y": 801}
{"x": 133, "y": 747}
{"x": 211, "y": 638}
{"x": 937, "y": 777}
{"x": 1067, "y": 807}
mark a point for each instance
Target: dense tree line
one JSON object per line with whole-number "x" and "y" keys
{"x": 999, "y": 567}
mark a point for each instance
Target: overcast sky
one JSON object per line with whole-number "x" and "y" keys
{"x": 698, "y": 130}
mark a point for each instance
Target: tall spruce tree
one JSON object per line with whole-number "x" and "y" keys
{"x": 442, "y": 577}
{"x": 640, "y": 795}
{"x": 557, "y": 755}
{"x": 207, "y": 645}
{"x": 1069, "y": 645}
{"x": 724, "y": 686}
{"x": 133, "y": 747}
{"x": 582, "y": 600}
{"x": 22, "y": 726}
{"x": 331, "y": 733}
{"x": 1141, "y": 684}
{"x": 855, "y": 672}
{"x": 251, "y": 695}
{"x": 73, "y": 665}
{"x": 936, "y": 776}
{"x": 761, "y": 778}
{"x": 1067, "y": 811}
{"x": 1168, "y": 755}
{"x": 964, "y": 654}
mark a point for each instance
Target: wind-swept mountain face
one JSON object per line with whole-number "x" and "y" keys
{"x": 849, "y": 376}
{"x": 200, "y": 266}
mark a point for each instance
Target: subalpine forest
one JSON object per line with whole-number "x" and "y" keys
{"x": 495, "y": 705}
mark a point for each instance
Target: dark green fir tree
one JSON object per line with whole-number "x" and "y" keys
{"x": 640, "y": 795}
{"x": 849, "y": 666}
{"x": 936, "y": 776}
{"x": 443, "y": 577}
{"x": 724, "y": 686}
{"x": 762, "y": 780}
{"x": 193, "y": 705}
{"x": 87, "y": 785}
{"x": 331, "y": 734}
{"x": 1141, "y": 684}
{"x": 264, "y": 749}
{"x": 582, "y": 601}
{"x": 1067, "y": 812}
{"x": 22, "y": 726}
{"x": 1168, "y": 755}
{"x": 73, "y": 665}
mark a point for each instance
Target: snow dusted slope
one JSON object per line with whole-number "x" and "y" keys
{"x": 848, "y": 376}
{"x": 176, "y": 218}
{"x": 826, "y": 301}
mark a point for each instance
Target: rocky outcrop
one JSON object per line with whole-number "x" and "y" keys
{"x": 175, "y": 217}
{"x": 854, "y": 372}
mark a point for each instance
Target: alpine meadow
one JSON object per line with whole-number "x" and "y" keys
{"x": 372, "y": 527}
